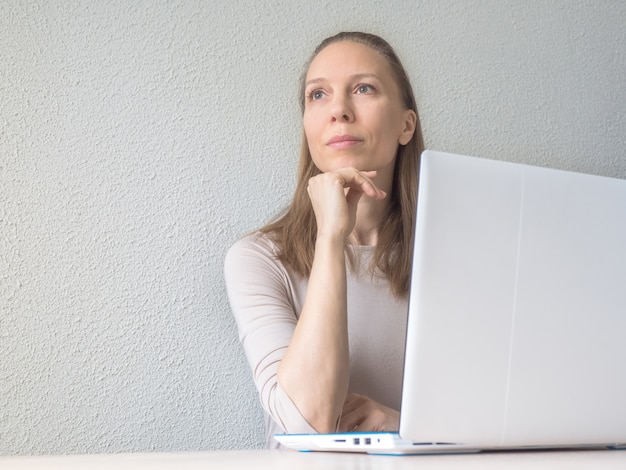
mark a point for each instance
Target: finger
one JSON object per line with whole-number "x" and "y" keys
{"x": 352, "y": 402}
{"x": 361, "y": 180}
{"x": 353, "y": 196}
{"x": 349, "y": 178}
{"x": 353, "y": 412}
{"x": 351, "y": 421}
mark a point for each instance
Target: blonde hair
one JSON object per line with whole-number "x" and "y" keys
{"x": 295, "y": 230}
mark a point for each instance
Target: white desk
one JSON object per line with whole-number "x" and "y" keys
{"x": 292, "y": 460}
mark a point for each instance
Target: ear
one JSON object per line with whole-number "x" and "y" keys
{"x": 410, "y": 121}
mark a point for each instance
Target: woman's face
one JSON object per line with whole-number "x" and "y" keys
{"x": 353, "y": 115}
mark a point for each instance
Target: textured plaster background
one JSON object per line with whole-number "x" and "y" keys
{"x": 139, "y": 139}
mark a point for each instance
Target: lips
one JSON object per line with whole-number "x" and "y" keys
{"x": 341, "y": 141}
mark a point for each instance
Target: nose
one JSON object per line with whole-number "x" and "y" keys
{"x": 341, "y": 109}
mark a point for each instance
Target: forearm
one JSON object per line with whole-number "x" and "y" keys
{"x": 314, "y": 371}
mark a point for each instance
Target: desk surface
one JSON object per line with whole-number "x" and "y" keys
{"x": 288, "y": 459}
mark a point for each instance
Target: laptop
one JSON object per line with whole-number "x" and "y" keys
{"x": 516, "y": 335}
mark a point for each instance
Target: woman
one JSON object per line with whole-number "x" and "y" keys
{"x": 320, "y": 295}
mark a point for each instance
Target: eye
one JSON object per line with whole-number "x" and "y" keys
{"x": 315, "y": 95}
{"x": 364, "y": 88}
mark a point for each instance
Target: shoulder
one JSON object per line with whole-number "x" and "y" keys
{"x": 255, "y": 246}
{"x": 253, "y": 260}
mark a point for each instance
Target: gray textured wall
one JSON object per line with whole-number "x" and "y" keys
{"x": 139, "y": 139}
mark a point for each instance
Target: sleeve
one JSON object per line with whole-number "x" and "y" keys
{"x": 259, "y": 293}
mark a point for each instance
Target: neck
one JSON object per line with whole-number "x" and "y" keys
{"x": 368, "y": 215}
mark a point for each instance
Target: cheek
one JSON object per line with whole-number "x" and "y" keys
{"x": 387, "y": 129}
{"x": 388, "y": 139}
{"x": 313, "y": 132}
{"x": 394, "y": 127}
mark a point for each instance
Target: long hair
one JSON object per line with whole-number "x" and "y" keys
{"x": 295, "y": 231}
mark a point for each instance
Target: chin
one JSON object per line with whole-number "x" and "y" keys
{"x": 339, "y": 163}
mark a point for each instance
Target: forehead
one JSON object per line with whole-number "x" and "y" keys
{"x": 347, "y": 58}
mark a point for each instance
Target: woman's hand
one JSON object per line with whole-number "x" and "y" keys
{"x": 335, "y": 196}
{"x": 363, "y": 414}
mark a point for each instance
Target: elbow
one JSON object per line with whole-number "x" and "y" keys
{"x": 322, "y": 421}
{"x": 309, "y": 412}
{"x": 326, "y": 428}
{"x": 322, "y": 415}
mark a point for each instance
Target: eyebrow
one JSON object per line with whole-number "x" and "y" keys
{"x": 356, "y": 76}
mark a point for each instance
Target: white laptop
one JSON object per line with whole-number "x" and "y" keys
{"x": 516, "y": 335}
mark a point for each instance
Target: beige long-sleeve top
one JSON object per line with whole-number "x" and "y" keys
{"x": 266, "y": 299}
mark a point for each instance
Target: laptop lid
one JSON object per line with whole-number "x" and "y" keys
{"x": 517, "y": 315}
